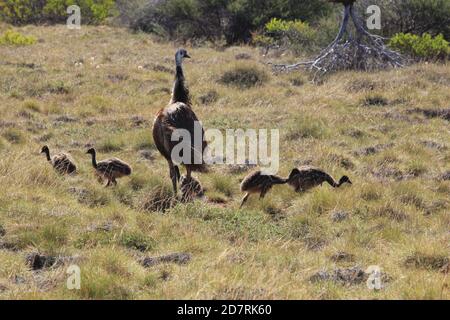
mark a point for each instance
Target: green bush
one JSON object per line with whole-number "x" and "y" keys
{"x": 412, "y": 16}
{"x": 423, "y": 47}
{"x": 92, "y": 11}
{"x": 231, "y": 20}
{"x": 20, "y": 12}
{"x": 11, "y": 37}
{"x": 295, "y": 35}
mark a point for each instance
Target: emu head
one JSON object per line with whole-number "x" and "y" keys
{"x": 45, "y": 149}
{"x": 180, "y": 55}
{"x": 344, "y": 179}
{"x": 91, "y": 151}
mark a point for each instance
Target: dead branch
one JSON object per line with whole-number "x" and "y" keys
{"x": 364, "y": 51}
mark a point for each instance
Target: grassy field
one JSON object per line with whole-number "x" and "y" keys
{"x": 101, "y": 87}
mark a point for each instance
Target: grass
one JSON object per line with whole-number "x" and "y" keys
{"x": 395, "y": 215}
{"x": 244, "y": 77}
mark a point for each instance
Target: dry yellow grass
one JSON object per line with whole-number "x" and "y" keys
{"x": 397, "y": 208}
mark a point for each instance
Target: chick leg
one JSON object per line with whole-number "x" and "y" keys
{"x": 244, "y": 200}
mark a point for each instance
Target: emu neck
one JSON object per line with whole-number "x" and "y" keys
{"x": 180, "y": 93}
{"x": 47, "y": 155}
{"x": 341, "y": 182}
{"x": 332, "y": 182}
{"x": 94, "y": 160}
{"x": 278, "y": 180}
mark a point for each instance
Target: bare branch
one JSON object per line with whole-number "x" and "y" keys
{"x": 364, "y": 52}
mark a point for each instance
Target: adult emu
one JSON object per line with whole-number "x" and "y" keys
{"x": 178, "y": 115}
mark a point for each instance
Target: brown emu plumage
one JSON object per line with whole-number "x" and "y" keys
{"x": 307, "y": 177}
{"x": 191, "y": 189}
{"x": 179, "y": 115}
{"x": 62, "y": 162}
{"x": 109, "y": 169}
{"x": 257, "y": 182}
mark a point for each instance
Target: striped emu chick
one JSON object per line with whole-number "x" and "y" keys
{"x": 109, "y": 169}
{"x": 305, "y": 178}
{"x": 62, "y": 162}
{"x": 191, "y": 189}
{"x": 257, "y": 182}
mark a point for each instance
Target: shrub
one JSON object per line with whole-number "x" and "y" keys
{"x": 20, "y": 12}
{"x": 426, "y": 261}
{"x": 261, "y": 40}
{"x": 412, "y": 16}
{"x": 244, "y": 77}
{"x": 93, "y": 11}
{"x": 14, "y": 136}
{"x": 209, "y": 98}
{"x": 295, "y": 35}
{"x": 57, "y": 87}
{"x": 232, "y": 20}
{"x": 375, "y": 100}
{"x": 11, "y": 37}
{"x": 280, "y": 28}
{"x": 423, "y": 47}
{"x": 137, "y": 241}
{"x": 327, "y": 28}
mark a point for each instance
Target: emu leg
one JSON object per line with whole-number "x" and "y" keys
{"x": 188, "y": 173}
{"x": 99, "y": 178}
{"x": 264, "y": 192}
{"x": 173, "y": 177}
{"x": 177, "y": 171}
{"x": 244, "y": 200}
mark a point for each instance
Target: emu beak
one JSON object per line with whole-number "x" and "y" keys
{"x": 350, "y": 182}
{"x": 187, "y": 56}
